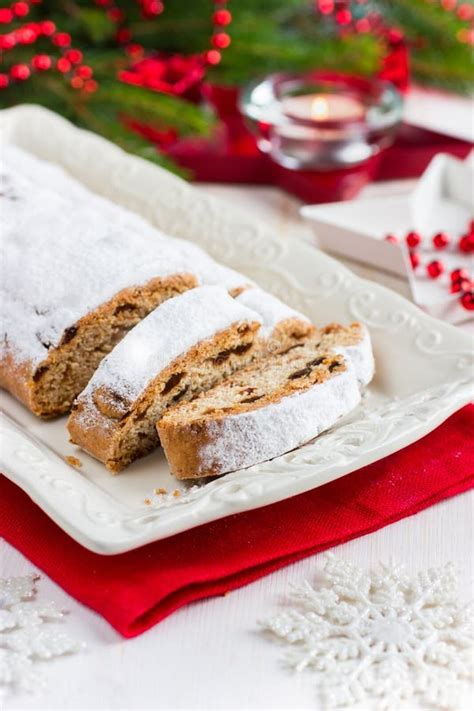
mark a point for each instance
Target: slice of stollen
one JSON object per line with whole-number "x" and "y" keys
{"x": 259, "y": 413}
{"x": 187, "y": 345}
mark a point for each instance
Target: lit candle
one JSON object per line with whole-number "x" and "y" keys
{"x": 323, "y": 107}
{"x": 317, "y": 121}
{"x": 316, "y": 139}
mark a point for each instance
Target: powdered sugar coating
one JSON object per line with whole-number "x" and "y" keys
{"x": 167, "y": 333}
{"x": 248, "y": 438}
{"x": 53, "y": 177}
{"x": 66, "y": 251}
{"x": 360, "y": 357}
{"x": 270, "y": 308}
{"x": 207, "y": 270}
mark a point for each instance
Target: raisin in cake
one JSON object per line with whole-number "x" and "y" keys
{"x": 353, "y": 342}
{"x": 259, "y": 413}
{"x": 187, "y": 345}
{"x": 78, "y": 273}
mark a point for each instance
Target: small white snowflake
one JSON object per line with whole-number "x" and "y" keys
{"x": 24, "y": 639}
{"x": 381, "y": 638}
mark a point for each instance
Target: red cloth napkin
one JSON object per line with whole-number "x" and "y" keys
{"x": 135, "y": 590}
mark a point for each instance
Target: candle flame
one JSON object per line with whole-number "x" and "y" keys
{"x": 319, "y": 108}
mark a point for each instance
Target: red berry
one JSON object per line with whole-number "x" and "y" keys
{"x": 20, "y": 9}
{"x": 153, "y": 8}
{"x": 435, "y": 268}
{"x": 47, "y": 28}
{"x": 84, "y": 71}
{"x": 471, "y": 226}
{"x": 7, "y": 41}
{"x": 466, "y": 243}
{"x": 213, "y": 56}
{"x": 41, "y": 62}
{"x": 62, "y": 39}
{"x": 459, "y": 274}
{"x": 74, "y": 56}
{"x": 391, "y": 238}
{"x": 221, "y": 40}
{"x": 465, "y": 12}
{"x": 441, "y": 240}
{"x": 20, "y": 72}
{"x": 63, "y": 65}
{"x": 4, "y": 81}
{"x": 326, "y": 7}
{"x": 77, "y": 83}
{"x": 90, "y": 86}
{"x": 413, "y": 239}
{"x": 6, "y": 15}
{"x": 343, "y": 17}
{"x": 467, "y": 300}
{"x": 414, "y": 259}
{"x": 222, "y": 17}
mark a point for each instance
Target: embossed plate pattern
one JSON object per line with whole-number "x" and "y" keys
{"x": 424, "y": 367}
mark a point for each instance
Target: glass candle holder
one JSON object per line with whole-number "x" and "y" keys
{"x": 320, "y": 120}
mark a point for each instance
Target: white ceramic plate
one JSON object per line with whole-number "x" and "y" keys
{"x": 423, "y": 366}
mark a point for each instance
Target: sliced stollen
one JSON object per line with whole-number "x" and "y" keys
{"x": 187, "y": 345}
{"x": 78, "y": 272}
{"x": 259, "y": 413}
{"x": 282, "y": 327}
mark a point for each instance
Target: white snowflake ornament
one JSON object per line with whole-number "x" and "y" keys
{"x": 381, "y": 638}
{"x": 25, "y": 637}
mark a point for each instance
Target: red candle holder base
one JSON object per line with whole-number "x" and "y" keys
{"x": 231, "y": 155}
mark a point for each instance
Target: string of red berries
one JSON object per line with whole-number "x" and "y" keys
{"x": 69, "y": 63}
{"x": 219, "y": 40}
{"x": 351, "y": 15}
{"x": 460, "y": 282}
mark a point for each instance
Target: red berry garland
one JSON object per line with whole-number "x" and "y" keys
{"x": 460, "y": 282}
{"x": 347, "y": 16}
{"x": 219, "y": 40}
{"x": 29, "y": 33}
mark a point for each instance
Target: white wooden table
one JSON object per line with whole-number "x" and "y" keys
{"x": 211, "y": 655}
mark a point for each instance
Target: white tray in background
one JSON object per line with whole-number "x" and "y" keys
{"x": 424, "y": 367}
{"x": 443, "y": 200}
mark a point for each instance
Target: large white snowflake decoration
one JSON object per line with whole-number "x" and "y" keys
{"x": 25, "y": 638}
{"x": 382, "y": 638}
